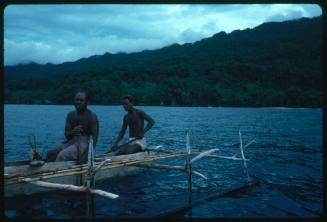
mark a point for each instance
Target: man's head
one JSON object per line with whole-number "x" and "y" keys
{"x": 127, "y": 102}
{"x": 81, "y": 101}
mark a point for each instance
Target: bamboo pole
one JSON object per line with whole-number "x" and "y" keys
{"x": 243, "y": 157}
{"x": 189, "y": 174}
{"x": 83, "y": 169}
{"x": 90, "y": 165}
{"x": 100, "y": 165}
{"x": 189, "y": 166}
{"x": 90, "y": 182}
{"x": 72, "y": 172}
{"x": 138, "y": 161}
{"x": 50, "y": 171}
{"x": 252, "y": 141}
{"x": 70, "y": 187}
{"x": 77, "y": 167}
{"x": 159, "y": 150}
{"x": 167, "y": 167}
{"x": 98, "y": 158}
{"x": 228, "y": 157}
{"x": 120, "y": 146}
{"x": 19, "y": 179}
{"x": 203, "y": 154}
{"x": 199, "y": 174}
{"x": 161, "y": 166}
{"x": 79, "y": 179}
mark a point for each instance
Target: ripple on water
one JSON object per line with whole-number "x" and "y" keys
{"x": 287, "y": 159}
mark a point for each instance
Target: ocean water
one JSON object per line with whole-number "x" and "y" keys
{"x": 286, "y": 159}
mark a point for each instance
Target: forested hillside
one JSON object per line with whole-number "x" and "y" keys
{"x": 274, "y": 64}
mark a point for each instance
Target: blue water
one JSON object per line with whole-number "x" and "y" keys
{"x": 287, "y": 159}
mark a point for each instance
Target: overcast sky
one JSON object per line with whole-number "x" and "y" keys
{"x": 60, "y": 33}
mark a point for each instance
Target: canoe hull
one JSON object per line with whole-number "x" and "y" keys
{"x": 12, "y": 185}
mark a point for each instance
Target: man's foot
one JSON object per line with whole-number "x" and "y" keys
{"x": 37, "y": 163}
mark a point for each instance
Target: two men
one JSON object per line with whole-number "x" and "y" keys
{"x": 83, "y": 123}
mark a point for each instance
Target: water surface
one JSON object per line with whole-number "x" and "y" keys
{"x": 286, "y": 158}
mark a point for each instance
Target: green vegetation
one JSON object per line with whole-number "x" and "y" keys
{"x": 274, "y": 64}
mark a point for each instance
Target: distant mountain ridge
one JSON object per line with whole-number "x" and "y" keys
{"x": 269, "y": 65}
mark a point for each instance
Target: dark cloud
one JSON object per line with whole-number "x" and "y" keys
{"x": 59, "y": 33}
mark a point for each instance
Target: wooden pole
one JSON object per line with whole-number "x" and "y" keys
{"x": 100, "y": 166}
{"x": 167, "y": 167}
{"x": 243, "y": 157}
{"x": 228, "y": 157}
{"x": 90, "y": 180}
{"x": 90, "y": 165}
{"x": 189, "y": 173}
{"x": 79, "y": 178}
{"x": 83, "y": 168}
{"x": 120, "y": 146}
{"x": 70, "y": 188}
{"x": 160, "y": 166}
{"x": 159, "y": 150}
{"x": 189, "y": 167}
{"x": 202, "y": 154}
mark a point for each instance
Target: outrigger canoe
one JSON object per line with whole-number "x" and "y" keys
{"x": 17, "y": 173}
{"x": 22, "y": 177}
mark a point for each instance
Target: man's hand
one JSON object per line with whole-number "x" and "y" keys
{"x": 77, "y": 131}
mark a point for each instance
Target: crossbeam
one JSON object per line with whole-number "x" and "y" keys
{"x": 69, "y": 187}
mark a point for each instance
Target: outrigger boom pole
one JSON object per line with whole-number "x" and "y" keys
{"x": 189, "y": 166}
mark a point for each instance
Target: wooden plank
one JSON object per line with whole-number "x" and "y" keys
{"x": 71, "y": 187}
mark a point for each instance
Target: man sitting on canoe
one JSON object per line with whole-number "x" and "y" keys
{"x": 134, "y": 119}
{"x": 80, "y": 125}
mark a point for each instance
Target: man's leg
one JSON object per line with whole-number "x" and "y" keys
{"x": 53, "y": 153}
{"x": 129, "y": 149}
{"x": 70, "y": 153}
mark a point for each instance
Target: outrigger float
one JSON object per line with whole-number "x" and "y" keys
{"x": 22, "y": 177}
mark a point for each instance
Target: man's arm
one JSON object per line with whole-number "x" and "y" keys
{"x": 70, "y": 132}
{"x": 94, "y": 129}
{"x": 68, "y": 127}
{"x": 121, "y": 132}
{"x": 150, "y": 122}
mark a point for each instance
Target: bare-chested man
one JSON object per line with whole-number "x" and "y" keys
{"x": 134, "y": 119}
{"x": 80, "y": 125}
